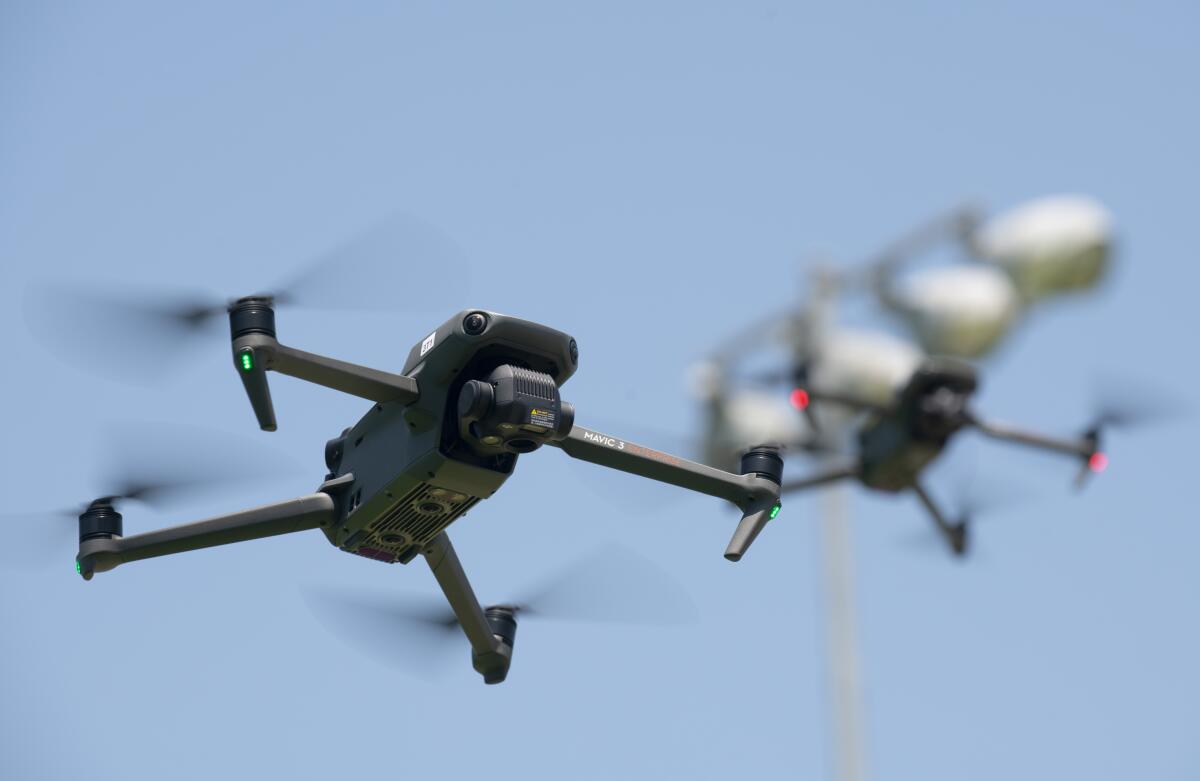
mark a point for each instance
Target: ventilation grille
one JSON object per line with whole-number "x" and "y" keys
{"x": 409, "y": 524}
{"x": 533, "y": 383}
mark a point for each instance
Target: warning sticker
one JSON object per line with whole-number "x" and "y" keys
{"x": 543, "y": 417}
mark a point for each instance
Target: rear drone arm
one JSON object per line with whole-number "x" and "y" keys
{"x": 1083, "y": 447}
{"x": 803, "y": 398}
{"x": 955, "y": 534}
{"x": 491, "y": 653}
{"x": 851, "y": 400}
{"x": 755, "y": 492}
{"x": 830, "y": 475}
{"x": 256, "y": 351}
{"x": 102, "y": 548}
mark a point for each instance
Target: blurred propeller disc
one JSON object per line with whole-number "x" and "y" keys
{"x": 1119, "y": 403}
{"x": 970, "y": 499}
{"x": 415, "y": 636}
{"x": 399, "y": 264}
{"x": 155, "y": 464}
{"x": 612, "y": 585}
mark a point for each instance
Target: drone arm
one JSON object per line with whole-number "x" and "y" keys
{"x": 625, "y": 456}
{"x": 307, "y": 512}
{"x": 846, "y": 400}
{"x": 350, "y": 378}
{"x": 346, "y": 377}
{"x": 446, "y": 567}
{"x": 955, "y": 534}
{"x": 1082, "y": 448}
{"x": 755, "y": 495}
{"x": 491, "y": 657}
{"x": 831, "y": 475}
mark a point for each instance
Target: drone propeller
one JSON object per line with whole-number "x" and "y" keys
{"x": 784, "y": 328}
{"x": 613, "y": 585}
{"x": 969, "y": 500}
{"x": 1120, "y": 408}
{"x": 161, "y": 465}
{"x": 399, "y": 263}
{"x": 796, "y": 377}
{"x": 1095, "y": 460}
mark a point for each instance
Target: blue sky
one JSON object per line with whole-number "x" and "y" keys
{"x": 666, "y": 167}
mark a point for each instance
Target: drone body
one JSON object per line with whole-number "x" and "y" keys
{"x": 894, "y": 449}
{"x": 900, "y": 439}
{"x": 475, "y": 394}
{"x": 410, "y": 471}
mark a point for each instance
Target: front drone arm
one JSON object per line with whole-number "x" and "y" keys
{"x": 755, "y": 492}
{"x": 256, "y": 351}
{"x": 104, "y": 548}
{"x": 830, "y": 475}
{"x": 351, "y": 378}
{"x": 1084, "y": 447}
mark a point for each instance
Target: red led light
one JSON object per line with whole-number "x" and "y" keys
{"x": 799, "y": 398}
{"x": 1098, "y": 462}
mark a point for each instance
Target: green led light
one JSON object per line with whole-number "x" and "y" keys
{"x": 247, "y": 359}
{"x": 78, "y": 569}
{"x": 775, "y": 511}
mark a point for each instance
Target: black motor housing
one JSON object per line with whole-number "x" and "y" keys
{"x": 100, "y": 520}
{"x": 493, "y": 665}
{"x": 764, "y": 461}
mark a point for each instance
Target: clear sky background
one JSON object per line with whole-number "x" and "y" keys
{"x": 646, "y": 177}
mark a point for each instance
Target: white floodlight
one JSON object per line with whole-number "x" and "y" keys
{"x": 869, "y": 365}
{"x": 1049, "y": 245}
{"x": 962, "y": 311}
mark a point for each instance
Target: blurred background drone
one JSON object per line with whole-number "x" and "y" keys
{"x": 872, "y": 405}
{"x": 1001, "y": 268}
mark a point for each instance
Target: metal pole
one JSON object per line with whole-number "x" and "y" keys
{"x": 848, "y": 758}
{"x": 845, "y": 679}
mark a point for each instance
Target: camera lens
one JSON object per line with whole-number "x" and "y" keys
{"x": 474, "y": 323}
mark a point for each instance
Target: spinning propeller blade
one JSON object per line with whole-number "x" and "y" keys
{"x": 612, "y": 585}
{"x": 969, "y": 500}
{"x": 1118, "y": 405}
{"x": 398, "y": 264}
{"x": 155, "y": 464}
